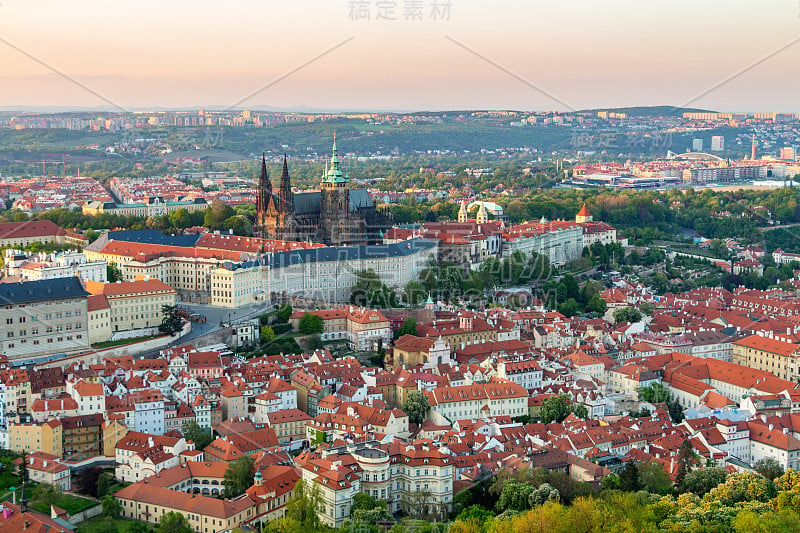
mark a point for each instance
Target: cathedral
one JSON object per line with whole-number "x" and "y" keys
{"x": 335, "y": 215}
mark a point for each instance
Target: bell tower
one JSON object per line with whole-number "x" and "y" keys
{"x": 335, "y": 220}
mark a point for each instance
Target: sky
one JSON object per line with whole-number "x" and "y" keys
{"x": 729, "y": 55}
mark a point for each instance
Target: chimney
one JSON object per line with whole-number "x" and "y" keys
{"x": 771, "y": 427}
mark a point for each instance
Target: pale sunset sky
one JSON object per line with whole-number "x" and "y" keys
{"x": 585, "y": 54}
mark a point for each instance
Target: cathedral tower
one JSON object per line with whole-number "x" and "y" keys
{"x": 286, "y": 221}
{"x": 335, "y": 220}
{"x": 266, "y": 212}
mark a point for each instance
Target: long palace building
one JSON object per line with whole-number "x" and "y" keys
{"x": 231, "y": 271}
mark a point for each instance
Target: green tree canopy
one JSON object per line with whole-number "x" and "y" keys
{"x": 370, "y": 291}
{"x": 284, "y": 313}
{"x": 416, "y": 406}
{"x": 201, "y": 437}
{"x": 311, "y": 324}
{"x": 409, "y": 327}
{"x": 239, "y": 476}
{"x": 173, "y": 522}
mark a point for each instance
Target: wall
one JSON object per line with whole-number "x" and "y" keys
{"x": 118, "y": 351}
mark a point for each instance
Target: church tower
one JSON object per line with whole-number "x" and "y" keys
{"x": 266, "y": 212}
{"x": 462, "y": 213}
{"x": 483, "y": 216}
{"x": 286, "y": 222}
{"x": 335, "y": 220}
{"x": 583, "y": 216}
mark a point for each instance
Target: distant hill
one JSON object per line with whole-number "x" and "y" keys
{"x": 651, "y": 111}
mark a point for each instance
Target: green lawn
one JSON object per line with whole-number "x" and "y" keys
{"x": 71, "y": 504}
{"x": 99, "y": 524}
{"x": 109, "y": 344}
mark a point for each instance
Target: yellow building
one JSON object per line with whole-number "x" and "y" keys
{"x": 134, "y": 304}
{"x": 99, "y": 319}
{"x": 770, "y": 355}
{"x": 289, "y": 424}
{"x": 45, "y": 437}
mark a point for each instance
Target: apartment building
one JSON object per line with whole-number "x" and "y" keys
{"x": 46, "y": 437}
{"x": 43, "y": 317}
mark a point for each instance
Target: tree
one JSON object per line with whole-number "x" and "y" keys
{"x": 139, "y": 527}
{"x": 570, "y": 308}
{"x": 216, "y": 215}
{"x": 675, "y": 411}
{"x": 266, "y": 333}
{"x": 654, "y": 479}
{"x": 416, "y": 406}
{"x": 655, "y": 393}
{"x": 647, "y": 308}
{"x": 413, "y": 293}
{"x": 370, "y": 291}
{"x": 610, "y": 482}
{"x": 409, "y": 327}
{"x": 103, "y": 485}
{"x": 580, "y": 410}
{"x": 475, "y": 513}
{"x": 239, "y": 476}
{"x": 627, "y": 314}
{"x": 111, "y": 506}
{"x": 284, "y": 313}
{"x": 201, "y": 437}
{"x": 368, "y": 510}
{"x": 113, "y": 273}
{"x": 303, "y": 507}
{"x": 556, "y": 409}
{"x": 171, "y": 323}
{"x": 180, "y": 219}
{"x": 629, "y": 480}
{"x": 311, "y": 324}
{"x": 685, "y": 461}
{"x": 173, "y": 522}
{"x": 545, "y": 493}
{"x": 596, "y": 304}
{"x": 702, "y": 480}
{"x": 47, "y": 493}
{"x": 239, "y": 225}
{"x": 769, "y": 468}
{"x": 87, "y": 481}
{"x": 515, "y": 496}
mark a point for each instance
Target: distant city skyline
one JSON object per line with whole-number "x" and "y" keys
{"x": 314, "y": 55}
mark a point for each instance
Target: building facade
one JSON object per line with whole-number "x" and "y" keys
{"x": 43, "y": 317}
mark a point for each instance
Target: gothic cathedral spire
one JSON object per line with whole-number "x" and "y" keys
{"x": 287, "y": 198}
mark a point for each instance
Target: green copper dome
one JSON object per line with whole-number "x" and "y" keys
{"x": 333, "y": 173}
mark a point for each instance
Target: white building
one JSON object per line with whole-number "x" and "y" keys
{"x": 54, "y": 266}
{"x": 448, "y": 404}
